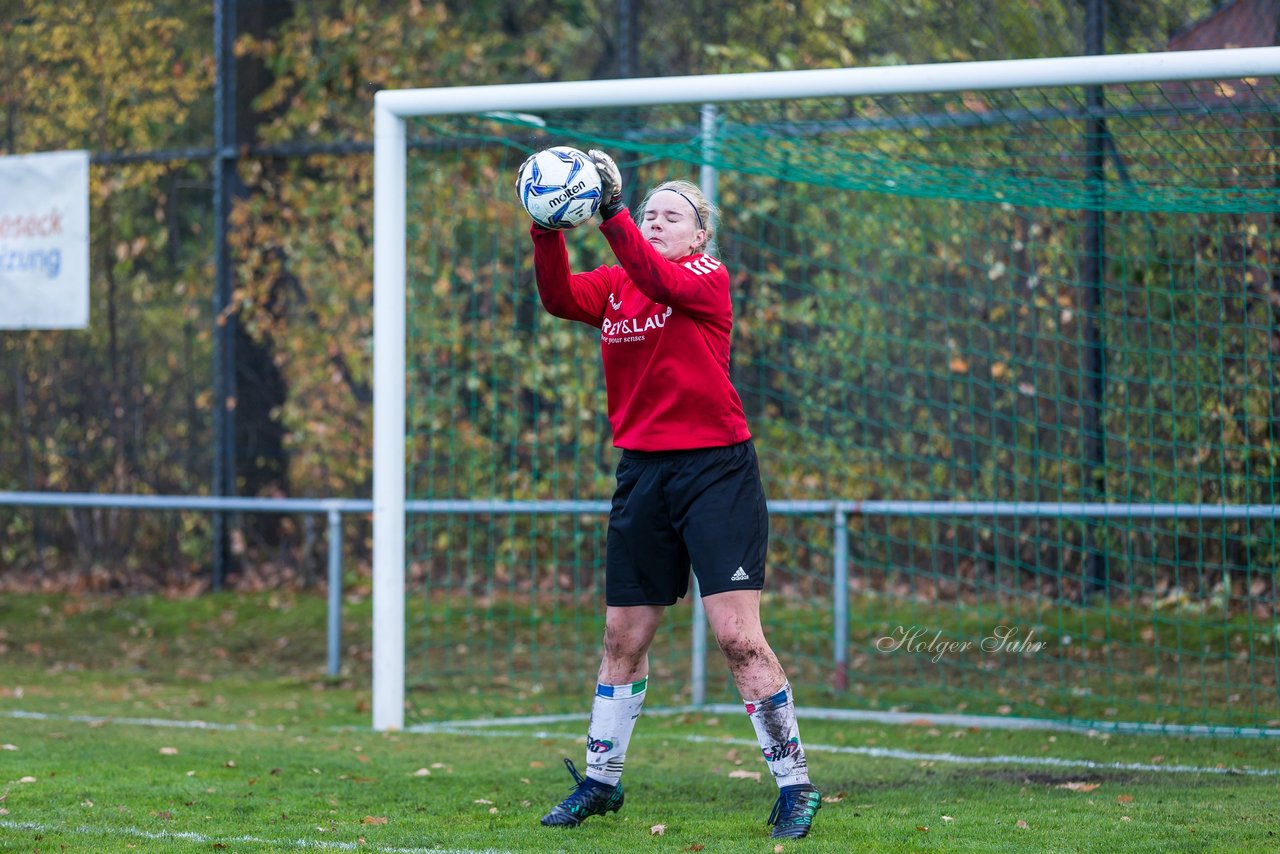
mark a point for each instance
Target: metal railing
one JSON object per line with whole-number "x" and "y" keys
{"x": 332, "y": 508}
{"x": 838, "y": 511}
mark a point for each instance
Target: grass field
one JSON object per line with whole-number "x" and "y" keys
{"x": 99, "y": 700}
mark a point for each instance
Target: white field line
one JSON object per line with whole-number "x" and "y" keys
{"x": 488, "y": 729}
{"x": 911, "y": 719}
{"x": 102, "y": 720}
{"x": 205, "y": 839}
{"x": 891, "y": 753}
{"x": 851, "y": 715}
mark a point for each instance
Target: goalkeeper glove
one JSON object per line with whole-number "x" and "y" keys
{"x": 610, "y": 183}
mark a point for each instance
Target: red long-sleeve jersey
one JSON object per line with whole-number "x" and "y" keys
{"x": 664, "y": 337}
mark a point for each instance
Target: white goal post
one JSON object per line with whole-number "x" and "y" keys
{"x": 393, "y": 107}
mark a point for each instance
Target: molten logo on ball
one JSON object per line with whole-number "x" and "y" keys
{"x": 559, "y": 187}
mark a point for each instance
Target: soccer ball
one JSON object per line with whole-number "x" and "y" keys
{"x": 559, "y": 187}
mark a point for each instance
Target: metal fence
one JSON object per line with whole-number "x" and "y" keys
{"x": 838, "y": 513}
{"x": 176, "y": 387}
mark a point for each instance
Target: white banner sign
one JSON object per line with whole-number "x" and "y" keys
{"x": 44, "y": 241}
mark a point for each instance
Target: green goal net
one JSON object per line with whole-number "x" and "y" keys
{"x": 1010, "y": 359}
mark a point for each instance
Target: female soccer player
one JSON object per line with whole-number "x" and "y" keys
{"x": 688, "y": 482}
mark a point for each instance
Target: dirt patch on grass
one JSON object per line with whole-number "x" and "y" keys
{"x": 1020, "y": 777}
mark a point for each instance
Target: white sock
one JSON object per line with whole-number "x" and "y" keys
{"x": 775, "y": 721}
{"x": 613, "y": 717}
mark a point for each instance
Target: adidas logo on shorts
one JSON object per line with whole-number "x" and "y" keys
{"x": 740, "y": 575}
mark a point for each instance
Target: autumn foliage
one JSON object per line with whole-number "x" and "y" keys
{"x": 125, "y": 407}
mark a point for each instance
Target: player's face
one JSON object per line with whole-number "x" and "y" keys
{"x": 671, "y": 226}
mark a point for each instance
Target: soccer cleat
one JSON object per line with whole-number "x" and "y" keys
{"x": 588, "y": 798}
{"x": 794, "y": 810}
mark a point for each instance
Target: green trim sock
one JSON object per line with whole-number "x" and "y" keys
{"x": 613, "y": 718}
{"x": 774, "y": 719}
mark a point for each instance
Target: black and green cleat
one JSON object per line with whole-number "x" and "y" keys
{"x": 793, "y": 812}
{"x": 589, "y": 797}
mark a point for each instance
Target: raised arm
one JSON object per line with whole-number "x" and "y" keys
{"x": 699, "y": 288}
{"x": 572, "y": 296}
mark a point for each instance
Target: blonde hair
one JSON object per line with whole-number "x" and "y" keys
{"x": 707, "y": 212}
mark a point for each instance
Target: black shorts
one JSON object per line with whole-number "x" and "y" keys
{"x": 704, "y": 507}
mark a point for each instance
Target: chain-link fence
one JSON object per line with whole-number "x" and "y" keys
{"x": 264, "y": 390}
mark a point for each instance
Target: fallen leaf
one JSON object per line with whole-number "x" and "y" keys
{"x": 833, "y": 799}
{"x": 1156, "y": 760}
{"x": 483, "y": 801}
{"x": 8, "y": 747}
{"x": 230, "y": 763}
{"x": 695, "y": 847}
{"x": 922, "y": 828}
{"x": 1022, "y": 824}
{"x": 1125, "y": 799}
{"x": 947, "y": 818}
{"x": 1125, "y": 818}
{"x": 536, "y": 764}
{"x": 658, "y": 830}
{"x": 1078, "y": 786}
{"x": 744, "y": 775}
{"x": 27, "y": 780}
{"x": 422, "y": 772}
{"x": 493, "y": 810}
{"x": 777, "y": 849}
{"x": 168, "y": 751}
{"x": 374, "y": 819}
